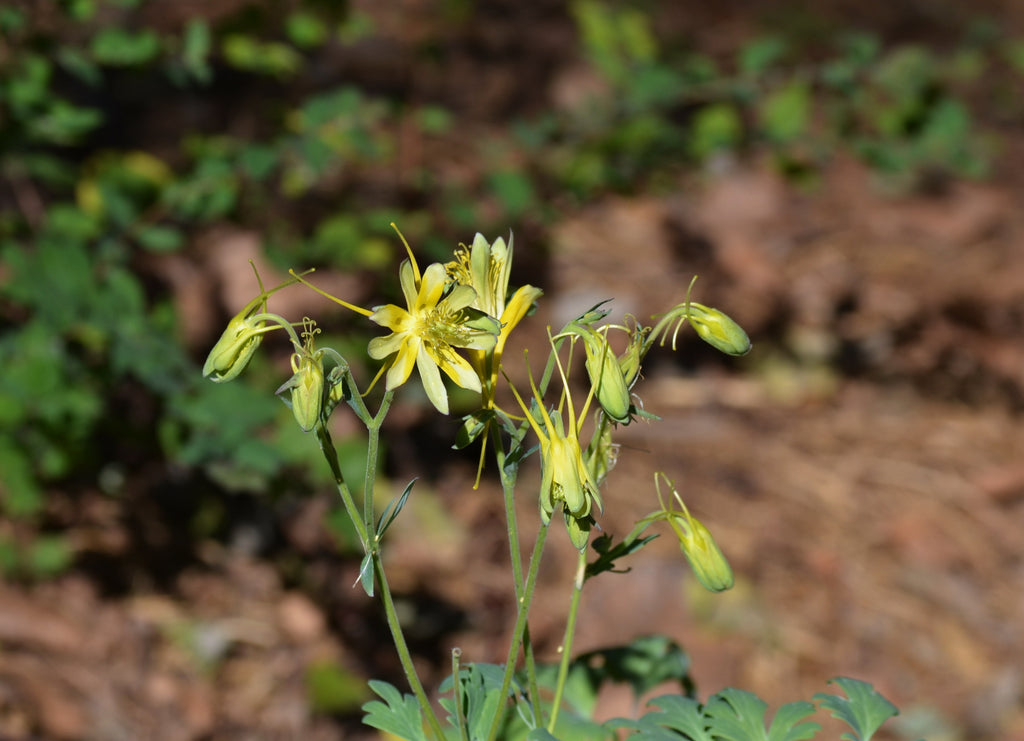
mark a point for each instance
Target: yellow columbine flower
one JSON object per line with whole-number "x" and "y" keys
{"x": 437, "y": 321}
{"x": 486, "y": 268}
{"x": 566, "y": 482}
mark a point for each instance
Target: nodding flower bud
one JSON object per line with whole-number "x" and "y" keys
{"x": 706, "y": 558}
{"x": 236, "y": 346}
{"x": 606, "y": 378}
{"x": 718, "y": 329}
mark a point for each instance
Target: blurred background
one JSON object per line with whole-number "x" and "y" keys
{"x": 845, "y": 177}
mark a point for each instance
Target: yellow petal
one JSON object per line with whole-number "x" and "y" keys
{"x": 401, "y": 369}
{"x": 457, "y": 368}
{"x": 393, "y": 317}
{"x": 431, "y": 379}
{"x": 431, "y": 287}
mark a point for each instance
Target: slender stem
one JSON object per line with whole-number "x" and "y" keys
{"x": 508, "y": 483}
{"x": 404, "y": 656}
{"x": 372, "y": 453}
{"x": 331, "y": 454}
{"x": 371, "y": 545}
{"x": 570, "y": 631}
{"x": 519, "y": 629}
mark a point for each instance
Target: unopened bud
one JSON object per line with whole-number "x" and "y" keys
{"x": 706, "y": 558}
{"x": 606, "y": 377}
{"x": 307, "y": 389}
{"x": 235, "y": 348}
{"x": 718, "y": 329}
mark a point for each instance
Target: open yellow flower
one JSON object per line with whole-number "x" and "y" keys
{"x": 439, "y": 318}
{"x": 486, "y": 267}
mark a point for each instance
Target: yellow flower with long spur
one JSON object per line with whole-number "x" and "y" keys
{"x": 439, "y": 318}
{"x": 486, "y": 268}
{"x": 566, "y": 481}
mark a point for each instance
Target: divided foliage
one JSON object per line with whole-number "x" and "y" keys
{"x": 728, "y": 715}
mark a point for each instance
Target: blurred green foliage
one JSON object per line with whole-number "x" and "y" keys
{"x": 125, "y": 132}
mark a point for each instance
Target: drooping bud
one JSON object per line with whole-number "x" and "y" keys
{"x": 630, "y": 360}
{"x": 698, "y": 545}
{"x": 239, "y": 341}
{"x": 308, "y": 392}
{"x": 706, "y": 558}
{"x": 235, "y": 348}
{"x": 718, "y": 330}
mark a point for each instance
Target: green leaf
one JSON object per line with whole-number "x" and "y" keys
{"x": 760, "y": 54}
{"x": 785, "y": 113}
{"x": 864, "y": 711}
{"x": 366, "y": 574}
{"x": 480, "y": 690}
{"x": 514, "y": 190}
{"x": 609, "y": 553}
{"x": 156, "y": 238}
{"x": 20, "y": 494}
{"x": 715, "y": 127}
{"x": 388, "y": 515}
{"x": 118, "y": 47}
{"x": 305, "y": 29}
{"x": 681, "y": 714}
{"x": 48, "y": 556}
{"x": 540, "y": 734}
{"x": 195, "y": 52}
{"x": 262, "y": 57}
{"x": 400, "y": 716}
{"x": 737, "y": 715}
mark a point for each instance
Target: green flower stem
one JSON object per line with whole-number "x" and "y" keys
{"x": 331, "y": 454}
{"x": 519, "y": 630}
{"x": 403, "y": 649}
{"x": 508, "y": 484}
{"x": 364, "y": 526}
{"x": 372, "y": 453}
{"x": 570, "y": 631}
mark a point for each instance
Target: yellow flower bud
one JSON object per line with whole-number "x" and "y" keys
{"x": 606, "y": 377}
{"x": 718, "y": 330}
{"x": 706, "y": 558}
{"x": 235, "y": 348}
{"x": 307, "y": 389}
